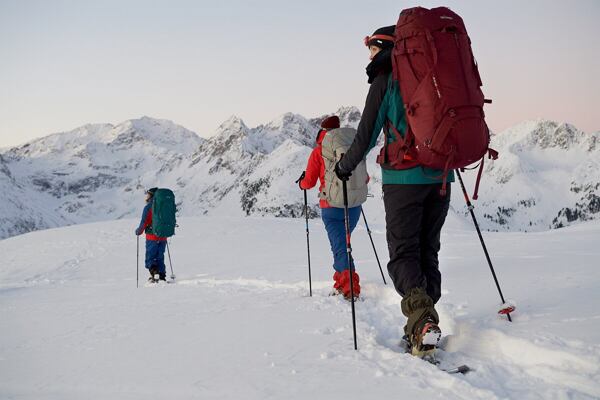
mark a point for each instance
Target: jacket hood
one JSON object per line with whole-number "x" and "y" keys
{"x": 321, "y": 136}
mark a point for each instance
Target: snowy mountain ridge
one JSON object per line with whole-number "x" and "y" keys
{"x": 546, "y": 177}
{"x": 549, "y": 175}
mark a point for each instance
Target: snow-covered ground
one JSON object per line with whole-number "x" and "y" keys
{"x": 239, "y": 324}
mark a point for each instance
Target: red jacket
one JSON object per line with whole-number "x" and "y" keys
{"x": 315, "y": 169}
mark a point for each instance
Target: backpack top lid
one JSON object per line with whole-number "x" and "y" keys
{"x": 336, "y": 142}
{"x": 414, "y": 20}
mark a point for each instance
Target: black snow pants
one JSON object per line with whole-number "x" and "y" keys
{"x": 414, "y": 216}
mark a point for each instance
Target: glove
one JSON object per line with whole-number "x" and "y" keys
{"x": 299, "y": 181}
{"x": 138, "y": 232}
{"x": 342, "y": 175}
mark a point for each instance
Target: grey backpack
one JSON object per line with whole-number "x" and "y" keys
{"x": 337, "y": 142}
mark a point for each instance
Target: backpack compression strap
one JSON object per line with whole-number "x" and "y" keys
{"x": 400, "y": 153}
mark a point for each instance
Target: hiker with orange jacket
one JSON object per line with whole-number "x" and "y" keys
{"x": 333, "y": 218}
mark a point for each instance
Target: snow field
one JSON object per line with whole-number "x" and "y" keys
{"x": 239, "y": 323}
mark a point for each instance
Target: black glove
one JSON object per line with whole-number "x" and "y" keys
{"x": 342, "y": 175}
{"x": 300, "y": 179}
{"x": 138, "y": 232}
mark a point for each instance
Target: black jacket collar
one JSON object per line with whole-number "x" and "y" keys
{"x": 381, "y": 64}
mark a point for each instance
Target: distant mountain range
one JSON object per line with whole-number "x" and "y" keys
{"x": 547, "y": 175}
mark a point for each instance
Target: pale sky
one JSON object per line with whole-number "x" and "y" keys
{"x": 67, "y": 63}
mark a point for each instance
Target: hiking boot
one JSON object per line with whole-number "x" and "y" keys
{"x": 344, "y": 284}
{"x": 154, "y": 276}
{"x": 425, "y": 338}
{"x": 337, "y": 286}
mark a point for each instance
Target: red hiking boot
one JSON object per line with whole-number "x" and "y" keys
{"x": 337, "y": 286}
{"x": 342, "y": 284}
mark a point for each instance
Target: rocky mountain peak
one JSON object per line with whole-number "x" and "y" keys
{"x": 349, "y": 116}
{"x": 161, "y": 133}
{"x": 546, "y": 176}
{"x": 550, "y": 134}
{"x": 544, "y": 134}
{"x": 233, "y": 126}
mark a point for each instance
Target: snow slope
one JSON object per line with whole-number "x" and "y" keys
{"x": 239, "y": 323}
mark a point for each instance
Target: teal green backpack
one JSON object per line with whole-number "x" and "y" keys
{"x": 163, "y": 213}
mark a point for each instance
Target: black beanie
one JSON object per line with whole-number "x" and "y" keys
{"x": 382, "y": 43}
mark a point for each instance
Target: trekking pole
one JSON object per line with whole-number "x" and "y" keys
{"x": 373, "y": 244}
{"x": 307, "y": 243}
{"x": 170, "y": 263}
{"x": 470, "y": 206}
{"x": 307, "y": 235}
{"x": 137, "y": 263}
{"x": 349, "y": 254}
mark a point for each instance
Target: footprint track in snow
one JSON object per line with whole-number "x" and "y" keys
{"x": 495, "y": 355}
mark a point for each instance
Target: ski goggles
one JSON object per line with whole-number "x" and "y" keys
{"x": 369, "y": 39}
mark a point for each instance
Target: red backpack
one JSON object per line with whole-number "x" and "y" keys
{"x": 441, "y": 89}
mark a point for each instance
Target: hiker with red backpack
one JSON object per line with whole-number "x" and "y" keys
{"x": 320, "y": 167}
{"x": 155, "y": 245}
{"x": 425, "y": 95}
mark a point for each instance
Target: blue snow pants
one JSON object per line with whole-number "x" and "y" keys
{"x": 155, "y": 254}
{"x": 333, "y": 219}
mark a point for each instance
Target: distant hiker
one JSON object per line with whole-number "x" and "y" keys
{"x": 333, "y": 214}
{"x": 155, "y": 245}
{"x": 415, "y": 210}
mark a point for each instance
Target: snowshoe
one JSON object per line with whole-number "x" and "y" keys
{"x": 349, "y": 297}
{"x": 431, "y": 358}
{"x": 339, "y": 292}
